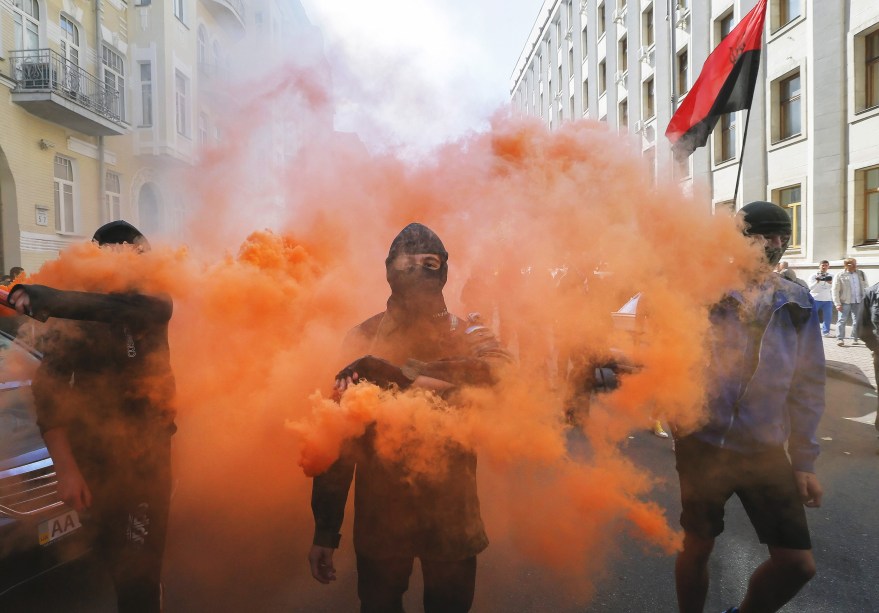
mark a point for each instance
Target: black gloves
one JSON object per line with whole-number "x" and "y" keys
{"x": 377, "y": 371}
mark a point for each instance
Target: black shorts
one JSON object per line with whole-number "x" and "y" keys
{"x": 764, "y": 482}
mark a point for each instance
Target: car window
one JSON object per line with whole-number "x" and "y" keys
{"x": 18, "y": 430}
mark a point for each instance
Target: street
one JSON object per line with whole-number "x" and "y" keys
{"x": 270, "y": 572}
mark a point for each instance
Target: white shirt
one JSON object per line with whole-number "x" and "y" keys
{"x": 820, "y": 290}
{"x": 856, "y": 287}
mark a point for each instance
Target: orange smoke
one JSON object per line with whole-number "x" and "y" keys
{"x": 255, "y": 336}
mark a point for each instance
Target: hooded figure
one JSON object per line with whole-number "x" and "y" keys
{"x": 768, "y": 220}
{"x": 401, "y": 514}
{"x": 417, "y": 287}
{"x": 764, "y": 398}
{"x": 104, "y": 395}
{"x": 120, "y": 233}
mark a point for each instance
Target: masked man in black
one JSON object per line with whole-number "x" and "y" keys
{"x": 104, "y": 396}
{"x": 415, "y": 342}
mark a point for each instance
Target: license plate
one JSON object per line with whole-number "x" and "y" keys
{"x": 57, "y": 527}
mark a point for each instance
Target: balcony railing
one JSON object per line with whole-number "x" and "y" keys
{"x": 45, "y": 70}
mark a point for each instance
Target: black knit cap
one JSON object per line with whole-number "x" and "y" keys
{"x": 765, "y": 218}
{"x": 119, "y": 232}
{"x": 414, "y": 239}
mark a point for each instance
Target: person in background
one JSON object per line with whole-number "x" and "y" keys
{"x": 848, "y": 291}
{"x": 764, "y": 400}
{"x": 15, "y": 272}
{"x": 868, "y": 316}
{"x": 104, "y": 397}
{"x": 788, "y": 273}
{"x": 821, "y": 288}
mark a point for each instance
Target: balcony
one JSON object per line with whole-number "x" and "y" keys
{"x": 53, "y": 88}
{"x": 229, "y": 14}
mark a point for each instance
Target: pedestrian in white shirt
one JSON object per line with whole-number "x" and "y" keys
{"x": 821, "y": 288}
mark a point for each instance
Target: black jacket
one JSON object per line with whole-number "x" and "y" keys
{"x": 106, "y": 372}
{"x": 396, "y": 515}
{"x": 868, "y": 318}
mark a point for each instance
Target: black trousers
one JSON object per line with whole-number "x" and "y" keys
{"x": 128, "y": 520}
{"x": 448, "y": 586}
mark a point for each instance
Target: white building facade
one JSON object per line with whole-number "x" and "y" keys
{"x": 813, "y": 135}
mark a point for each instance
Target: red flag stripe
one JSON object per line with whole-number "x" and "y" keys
{"x": 717, "y": 89}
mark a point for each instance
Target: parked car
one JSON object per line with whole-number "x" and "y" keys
{"x": 38, "y": 532}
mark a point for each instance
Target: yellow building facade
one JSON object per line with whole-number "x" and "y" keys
{"x": 104, "y": 105}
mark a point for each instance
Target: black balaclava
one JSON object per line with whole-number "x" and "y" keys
{"x": 417, "y": 291}
{"x": 119, "y": 232}
{"x": 765, "y": 218}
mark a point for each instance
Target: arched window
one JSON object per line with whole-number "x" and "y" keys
{"x": 70, "y": 41}
{"x": 148, "y": 210}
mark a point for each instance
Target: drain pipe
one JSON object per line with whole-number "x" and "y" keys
{"x": 102, "y": 174}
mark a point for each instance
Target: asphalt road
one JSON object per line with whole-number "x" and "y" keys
{"x": 265, "y": 571}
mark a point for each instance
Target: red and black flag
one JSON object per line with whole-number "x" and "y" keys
{"x": 726, "y": 84}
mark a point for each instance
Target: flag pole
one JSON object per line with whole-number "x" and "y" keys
{"x": 672, "y": 18}
{"x": 741, "y": 157}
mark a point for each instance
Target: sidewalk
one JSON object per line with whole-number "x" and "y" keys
{"x": 853, "y": 362}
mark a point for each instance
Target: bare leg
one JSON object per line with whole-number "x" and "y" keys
{"x": 691, "y": 573}
{"x": 778, "y": 580}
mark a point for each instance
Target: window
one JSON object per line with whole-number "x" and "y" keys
{"x": 201, "y": 49}
{"x": 113, "y": 196}
{"x": 683, "y": 63}
{"x": 65, "y": 216}
{"x": 623, "y": 115}
{"x": 871, "y": 69}
{"x": 585, "y": 96}
{"x": 149, "y": 211}
{"x": 218, "y": 58}
{"x": 727, "y": 136}
{"x": 725, "y": 26}
{"x": 647, "y": 34}
{"x": 146, "y": 94}
{"x": 178, "y": 9}
{"x": 558, "y": 33}
{"x": 789, "y": 198}
{"x": 181, "y": 90}
{"x": 623, "y": 57}
{"x": 602, "y": 18}
{"x": 114, "y": 79}
{"x": 681, "y": 168}
{"x": 602, "y": 77}
{"x": 584, "y": 43}
{"x": 69, "y": 41}
{"x": 572, "y": 108}
{"x": 788, "y": 10}
{"x": 870, "y": 181}
{"x": 202, "y": 129}
{"x": 26, "y": 20}
{"x": 649, "y": 104}
{"x": 650, "y": 157}
{"x": 789, "y": 106}
{"x": 571, "y": 60}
